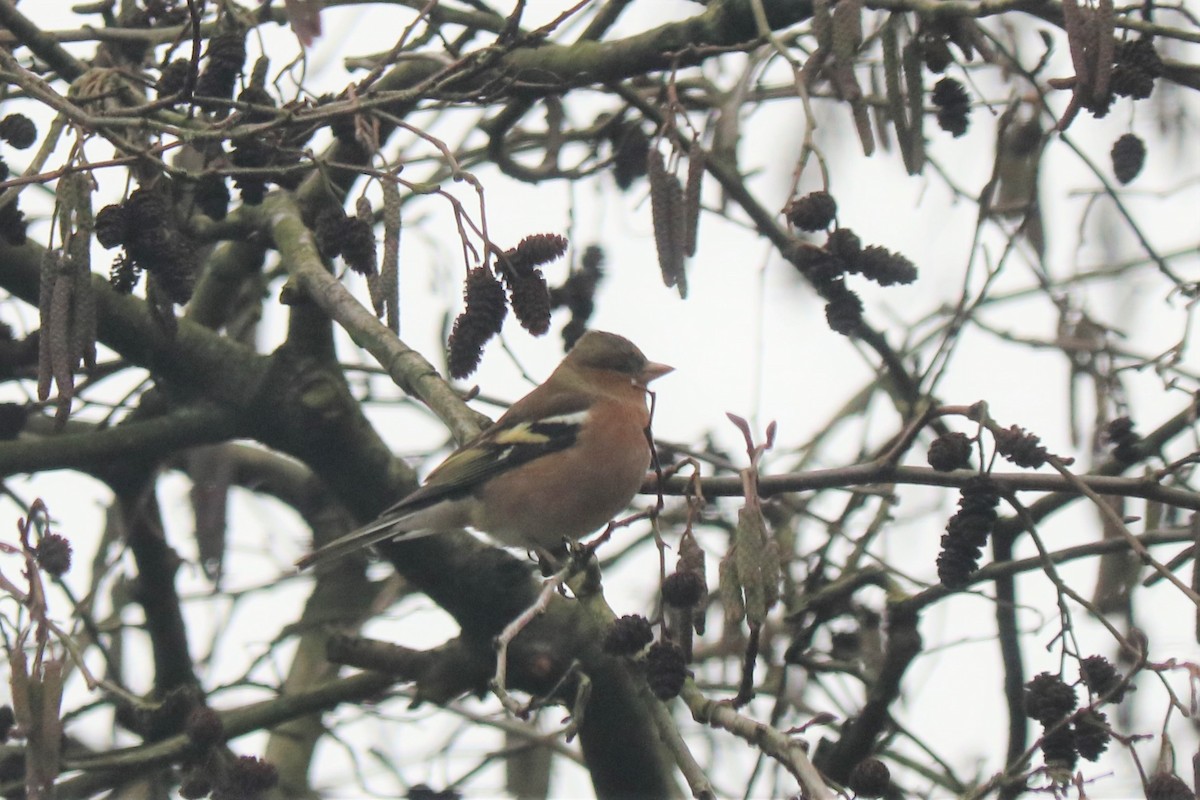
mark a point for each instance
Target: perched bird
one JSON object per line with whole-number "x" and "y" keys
{"x": 561, "y": 462}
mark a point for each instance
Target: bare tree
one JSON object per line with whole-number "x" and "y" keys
{"x": 250, "y": 342}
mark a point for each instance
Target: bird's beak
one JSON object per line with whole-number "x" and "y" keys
{"x": 653, "y": 370}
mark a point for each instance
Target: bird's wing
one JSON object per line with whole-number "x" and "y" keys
{"x": 497, "y": 450}
{"x": 504, "y": 446}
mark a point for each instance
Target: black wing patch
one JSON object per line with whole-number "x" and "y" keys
{"x": 496, "y": 451}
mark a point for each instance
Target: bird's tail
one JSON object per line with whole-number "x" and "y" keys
{"x": 379, "y": 531}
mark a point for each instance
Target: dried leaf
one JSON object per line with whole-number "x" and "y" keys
{"x": 913, "y": 148}
{"x": 862, "y": 123}
{"x": 892, "y": 73}
{"x": 691, "y": 555}
{"x": 757, "y": 563}
{"x": 667, "y": 213}
{"x": 375, "y": 288}
{"x": 693, "y": 559}
{"x": 880, "y": 114}
{"x": 1018, "y": 156}
{"x": 47, "y": 279}
{"x": 211, "y": 469}
{"x": 1105, "y": 45}
{"x": 729, "y": 587}
{"x": 37, "y": 702}
{"x": 822, "y": 25}
{"x": 79, "y": 261}
{"x": 83, "y": 317}
{"x": 66, "y": 198}
{"x": 46, "y": 745}
{"x": 59, "y": 335}
{"x": 1075, "y": 22}
{"x": 691, "y": 197}
{"x": 389, "y": 269}
{"x": 847, "y": 38}
{"x": 847, "y": 30}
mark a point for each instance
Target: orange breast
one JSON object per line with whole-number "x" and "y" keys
{"x": 573, "y": 492}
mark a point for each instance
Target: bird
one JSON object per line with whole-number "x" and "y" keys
{"x": 560, "y": 463}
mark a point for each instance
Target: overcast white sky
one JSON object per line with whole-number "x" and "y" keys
{"x": 752, "y": 339}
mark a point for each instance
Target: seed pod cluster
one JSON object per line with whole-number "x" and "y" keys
{"x": 352, "y": 238}
{"x": 355, "y": 131}
{"x": 934, "y": 37}
{"x": 843, "y": 308}
{"x": 18, "y": 131}
{"x": 1128, "y": 155}
{"x": 1135, "y": 68}
{"x": 1102, "y": 679}
{"x": 1048, "y": 698}
{"x": 578, "y": 293}
{"x": 1121, "y": 435}
{"x": 953, "y": 106}
{"x": 685, "y": 595}
{"x": 884, "y": 267}
{"x": 212, "y": 195}
{"x": 173, "y": 78}
{"x": 843, "y": 254}
{"x": 53, "y": 554}
{"x": 683, "y": 589}
{"x": 1070, "y": 732}
{"x": 950, "y": 451}
{"x": 206, "y": 764}
{"x": 666, "y": 669}
{"x": 209, "y": 774}
{"x": 630, "y": 146}
{"x": 967, "y": 532}
{"x": 812, "y": 212}
{"x": 478, "y": 323}
{"x": 628, "y": 635}
{"x": 145, "y": 225}
{"x": 204, "y": 727}
{"x": 528, "y": 292}
{"x": 665, "y": 663}
{"x": 870, "y": 778}
{"x": 224, "y": 59}
{"x": 358, "y": 247}
{"x": 934, "y": 48}
{"x": 275, "y": 148}
{"x": 1020, "y": 447}
{"x": 1091, "y": 733}
{"x": 670, "y": 221}
{"x": 12, "y": 224}
{"x": 251, "y": 152}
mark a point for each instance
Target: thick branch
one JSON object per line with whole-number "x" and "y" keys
{"x": 406, "y": 366}
{"x": 147, "y": 440}
{"x": 106, "y": 770}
